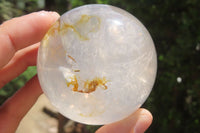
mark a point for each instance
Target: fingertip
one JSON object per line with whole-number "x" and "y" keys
{"x": 146, "y": 113}
{"x": 55, "y": 15}
{"x": 143, "y": 122}
{"x": 51, "y": 14}
{"x": 46, "y": 18}
{"x": 138, "y": 122}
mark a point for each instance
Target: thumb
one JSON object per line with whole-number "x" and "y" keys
{"x": 138, "y": 122}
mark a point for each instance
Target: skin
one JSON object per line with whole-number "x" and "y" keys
{"x": 19, "y": 44}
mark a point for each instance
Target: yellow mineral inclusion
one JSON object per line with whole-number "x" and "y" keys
{"x": 83, "y": 115}
{"x": 84, "y": 20}
{"x": 51, "y": 32}
{"x": 89, "y": 85}
{"x": 69, "y": 56}
{"x": 73, "y": 82}
{"x": 63, "y": 28}
{"x": 92, "y": 114}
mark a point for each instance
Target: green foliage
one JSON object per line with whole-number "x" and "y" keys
{"x": 175, "y": 29}
{"x": 10, "y": 88}
{"x": 92, "y": 129}
{"x": 76, "y": 3}
{"x": 7, "y": 10}
{"x": 174, "y": 26}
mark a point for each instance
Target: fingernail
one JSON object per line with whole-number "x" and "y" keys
{"x": 54, "y": 15}
{"x": 42, "y": 13}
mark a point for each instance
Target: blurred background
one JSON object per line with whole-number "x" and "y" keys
{"x": 175, "y": 28}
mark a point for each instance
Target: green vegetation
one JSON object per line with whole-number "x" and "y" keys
{"x": 174, "y": 26}
{"x": 10, "y": 88}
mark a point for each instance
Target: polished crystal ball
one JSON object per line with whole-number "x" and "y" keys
{"x": 97, "y": 64}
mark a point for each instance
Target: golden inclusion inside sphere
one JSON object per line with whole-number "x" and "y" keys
{"x": 97, "y": 64}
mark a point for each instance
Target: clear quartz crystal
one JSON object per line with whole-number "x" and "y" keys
{"x": 97, "y": 64}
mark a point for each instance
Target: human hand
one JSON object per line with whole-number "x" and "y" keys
{"x": 19, "y": 39}
{"x": 138, "y": 122}
{"x": 18, "y": 50}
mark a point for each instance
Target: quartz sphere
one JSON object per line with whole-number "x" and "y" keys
{"x": 97, "y": 64}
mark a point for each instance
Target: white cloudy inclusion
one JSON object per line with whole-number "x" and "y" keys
{"x": 97, "y": 64}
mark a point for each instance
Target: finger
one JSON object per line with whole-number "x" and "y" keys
{"x": 20, "y": 32}
{"x": 143, "y": 122}
{"x": 14, "y": 109}
{"x": 18, "y": 64}
{"x": 138, "y": 122}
